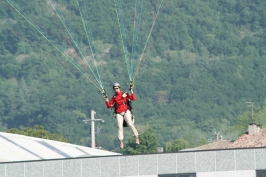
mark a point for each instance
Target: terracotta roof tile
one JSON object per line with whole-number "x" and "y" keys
{"x": 256, "y": 140}
{"x": 244, "y": 141}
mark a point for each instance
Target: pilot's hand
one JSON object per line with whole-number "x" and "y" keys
{"x": 124, "y": 95}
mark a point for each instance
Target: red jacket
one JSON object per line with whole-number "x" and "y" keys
{"x": 121, "y": 103}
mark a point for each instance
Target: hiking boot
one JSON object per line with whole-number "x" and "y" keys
{"x": 121, "y": 145}
{"x": 137, "y": 140}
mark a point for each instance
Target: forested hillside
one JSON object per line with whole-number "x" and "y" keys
{"x": 204, "y": 60}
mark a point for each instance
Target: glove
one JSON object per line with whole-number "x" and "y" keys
{"x": 124, "y": 95}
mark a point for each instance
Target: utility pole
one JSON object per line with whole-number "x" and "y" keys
{"x": 251, "y": 104}
{"x": 93, "y": 127}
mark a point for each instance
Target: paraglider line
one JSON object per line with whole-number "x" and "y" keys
{"x": 68, "y": 30}
{"x": 122, "y": 34}
{"x": 89, "y": 37}
{"x": 34, "y": 26}
{"x": 148, "y": 38}
{"x": 172, "y": 16}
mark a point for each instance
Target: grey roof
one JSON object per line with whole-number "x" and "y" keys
{"x": 15, "y": 147}
{"x": 220, "y": 144}
{"x": 189, "y": 149}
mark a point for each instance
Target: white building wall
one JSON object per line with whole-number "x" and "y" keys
{"x": 220, "y": 163}
{"x": 243, "y": 173}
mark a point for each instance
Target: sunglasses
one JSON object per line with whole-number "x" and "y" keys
{"x": 116, "y": 88}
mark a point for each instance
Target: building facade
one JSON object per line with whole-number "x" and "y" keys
{"x": 249, "y": 162}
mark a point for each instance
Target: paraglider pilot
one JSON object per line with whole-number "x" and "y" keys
{"x": 122, "y": 111}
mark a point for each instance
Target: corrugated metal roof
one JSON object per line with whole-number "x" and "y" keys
{"x": 15, "y": 147}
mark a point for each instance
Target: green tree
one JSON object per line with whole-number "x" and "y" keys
{"x": 203, "y": 61}
{"x": 246, "y": 118}
{"x": 39, "y": 132}
{"x": 148, "y": 143}
{"x": 202, "y": 141}
{"x": 173, "y": 146}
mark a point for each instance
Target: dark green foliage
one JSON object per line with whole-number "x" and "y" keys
{"x": 39, "y": 132}
{"x": 173, "y": 146}
{"x": 148, "y": 143}
{"x": 204, "y": 61}
{"x": 9, "y": 67}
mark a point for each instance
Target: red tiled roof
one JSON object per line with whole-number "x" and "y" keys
{"x": 244, "y": 141}
{"x": 256, "y": 140}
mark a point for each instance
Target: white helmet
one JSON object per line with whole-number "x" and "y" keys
{"x": 116, "y": 84}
